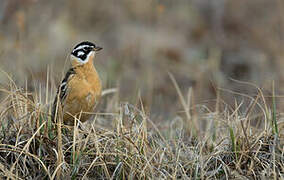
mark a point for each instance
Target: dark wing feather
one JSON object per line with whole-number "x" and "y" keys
{"x": 62, "y": 91}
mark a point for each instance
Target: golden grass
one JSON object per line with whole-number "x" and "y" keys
{"x": 127, "y": 144}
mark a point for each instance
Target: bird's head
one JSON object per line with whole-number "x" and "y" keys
{"x": 83, "y": 53}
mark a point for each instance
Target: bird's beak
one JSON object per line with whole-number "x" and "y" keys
{"x": 97, "y": 48}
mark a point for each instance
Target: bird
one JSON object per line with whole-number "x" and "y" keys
{"x": 80, "y": 90}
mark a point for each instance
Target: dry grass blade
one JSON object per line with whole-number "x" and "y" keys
{"x": 24, "y": 150}
{"x": 18, "y": 150}
{"x": 182, "y": 100}
{"x": 191, "y": 124}
{"x": 127, "y": 144}
{"x": 55, "y": 173}
{"x": 109, "y": 91}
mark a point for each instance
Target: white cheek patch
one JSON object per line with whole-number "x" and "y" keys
{"x": 88, "y": 57}
{"x": 86, "y": 60}
{"x": 80, "y": 53}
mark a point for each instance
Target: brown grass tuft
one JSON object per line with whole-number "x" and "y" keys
{"x": 127, "y": 144}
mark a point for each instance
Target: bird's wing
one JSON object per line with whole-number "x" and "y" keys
{"x": 63, "y": 87}
{"x": 62, "y": 91}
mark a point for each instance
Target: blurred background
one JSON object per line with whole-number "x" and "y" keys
{"x": 207, "y": 45}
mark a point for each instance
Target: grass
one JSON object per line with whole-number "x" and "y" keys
{"x": 157, "y": 125}
{"x": 126, "y": 144}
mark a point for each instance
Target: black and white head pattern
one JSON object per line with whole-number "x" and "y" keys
{"x": 83, "y": 50}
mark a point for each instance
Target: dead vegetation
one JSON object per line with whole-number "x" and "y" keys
{"x": 215, "y": 117}
{"x": 126, "y": 144}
